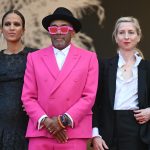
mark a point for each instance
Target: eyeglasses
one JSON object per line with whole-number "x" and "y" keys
{"x": 61, "y": 29}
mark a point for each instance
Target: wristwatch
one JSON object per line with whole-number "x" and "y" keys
{"x": 65, "y": 120}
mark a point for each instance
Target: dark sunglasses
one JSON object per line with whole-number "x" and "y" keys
{"x": 62, "y": 29}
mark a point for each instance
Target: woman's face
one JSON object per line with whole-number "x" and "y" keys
{"x": 12, "y": 28}
{"x": 127, "y": 37}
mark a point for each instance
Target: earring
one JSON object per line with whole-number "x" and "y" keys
{"x": 2, "y": 42}
{"x": 22, "y": 39}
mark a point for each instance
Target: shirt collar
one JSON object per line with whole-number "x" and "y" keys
{"x": 64, "y": 51}
{"x": 122, "y": 62}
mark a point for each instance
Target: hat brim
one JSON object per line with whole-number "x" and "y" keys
{"x": 73, "y": 21}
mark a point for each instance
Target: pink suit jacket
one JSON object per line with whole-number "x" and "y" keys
{"x": 47, "y": 90}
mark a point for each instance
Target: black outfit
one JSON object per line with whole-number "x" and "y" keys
{"x": 13, "y": 120}
{"x": 115, "y": 125}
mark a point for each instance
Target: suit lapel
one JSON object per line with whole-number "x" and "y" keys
{"x": 50, "y": 62}
{"x": 142, "y": 90}
{"x": 70, "y": 62}
{"x": 112, "y": 79}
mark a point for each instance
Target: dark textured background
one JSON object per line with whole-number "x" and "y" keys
{"x": 113, "y": 10}
{"x": 37, "y": 37}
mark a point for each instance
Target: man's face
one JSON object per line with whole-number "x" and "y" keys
{"x": 59, "y": 40}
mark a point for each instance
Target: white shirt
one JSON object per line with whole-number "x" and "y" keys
{"x": 60, "y": 56}
{"x": 126, "y": 96}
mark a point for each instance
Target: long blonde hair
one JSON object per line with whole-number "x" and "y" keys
{"x": 140, "y": 52}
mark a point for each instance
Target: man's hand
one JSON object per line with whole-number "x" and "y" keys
{"x": 52, "y": 125}
{"x": 61, "y": 136}
{"x": 55, "y": 129}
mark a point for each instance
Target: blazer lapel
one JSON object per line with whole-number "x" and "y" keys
{"x": 112, "y": 79}
{"x": 142, "y": 90}
{"x": 50, "y": 62}
{"x": 70, "y": 62}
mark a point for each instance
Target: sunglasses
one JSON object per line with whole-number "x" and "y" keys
{"x": 61, "y": 29}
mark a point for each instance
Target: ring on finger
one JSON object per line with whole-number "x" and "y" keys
{"x": 49, "y": 129}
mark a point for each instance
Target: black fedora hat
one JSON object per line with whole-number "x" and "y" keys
{"x": 62, "y": 13}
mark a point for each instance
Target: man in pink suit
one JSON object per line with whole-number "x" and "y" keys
{"x": 59, "y": 89}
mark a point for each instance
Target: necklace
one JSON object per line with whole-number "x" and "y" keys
{"x": 9, "y": 52}
{"x": 126, "y": 72}
{"x": 124, "y": 69}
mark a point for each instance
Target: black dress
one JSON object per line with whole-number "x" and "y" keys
{"x": 13, "y": 120}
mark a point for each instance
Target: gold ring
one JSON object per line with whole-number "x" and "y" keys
{"x": 49, "y": 129}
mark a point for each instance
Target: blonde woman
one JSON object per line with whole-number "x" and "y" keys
{"x": 121, "y": 112}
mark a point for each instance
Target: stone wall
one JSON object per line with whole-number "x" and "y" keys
{"x": 34, "y": 10}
